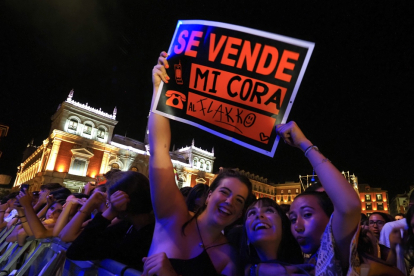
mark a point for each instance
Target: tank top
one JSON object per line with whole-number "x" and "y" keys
{"x": 200, "y": 265}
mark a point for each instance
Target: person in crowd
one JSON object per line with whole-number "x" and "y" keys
{"x": 368, "y": 254}
{"x": 364, "y": 221}
{"x": 71, "y": 207}
{"x": 127, "y": 241}
{"x": 184, "y": 244}
{"x": 7, "y": 213}
{"x": 44, "y": 192}
{"x": 35, "y": 196}
{"x": 399, "y": 216}
{"x": 324, "y": 225}
{"x": 376, "y": 222}
{"x": 78, "y": 222}
{"x": 185, "y": 191}
{"x": 197, "y": 197}
{"x": 267, "y": 239}
{"x": 385, "y": 244}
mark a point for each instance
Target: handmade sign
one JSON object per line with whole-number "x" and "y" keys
{"x": 232, "y": 81}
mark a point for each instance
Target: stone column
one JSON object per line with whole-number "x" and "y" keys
{"x": 104, "y": 164}
{"x": 53, "y": 155}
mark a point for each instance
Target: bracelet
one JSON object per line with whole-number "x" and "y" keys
{"x": 253, "y": 270}
{"x": 323, "y": 161}
{"x": 308, "y": 149}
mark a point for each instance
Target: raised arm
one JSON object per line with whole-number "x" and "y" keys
{"x": 74, "y": 227}
{"x": 38, "y": 229}
{"x": 347, "y": 207}
{"x": 62, "y": 221}
{"x": 166, "y": 198}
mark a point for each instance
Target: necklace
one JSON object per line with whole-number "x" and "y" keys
{"x": 201, "y": 244}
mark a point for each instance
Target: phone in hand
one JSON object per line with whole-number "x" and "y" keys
{"x": 24, "y": 187}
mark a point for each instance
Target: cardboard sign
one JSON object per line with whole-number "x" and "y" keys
{"x": 232, "y": 81}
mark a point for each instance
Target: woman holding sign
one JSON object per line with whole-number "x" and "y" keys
{"x": 184, "y": 244}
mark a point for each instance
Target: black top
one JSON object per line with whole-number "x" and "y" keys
{"x": 200, "y": 265}
{"x": 120, "y": 242}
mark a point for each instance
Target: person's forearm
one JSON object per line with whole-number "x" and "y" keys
{"x": 38, "y": 229}
{"x": 63, "y": 219}
{"x": 392, "y": 257}
{"x": 73, "y": 227}
{"x": 43, "y": 212}
{"x": 334, "y": 183}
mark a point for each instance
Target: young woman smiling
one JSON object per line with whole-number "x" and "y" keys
{"x": 183, "y": 244}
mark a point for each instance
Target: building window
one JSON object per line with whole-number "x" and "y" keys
{"x": 379, "y": 197}
{"x": 380, "y": 206}
{"x": 79, "y": 167}
{"x": 289, "y": 191}
{"x": 367, "y": 197}
{"x": 368, "y": 206}
{"x": 87, "y": 129}
{"x": 208, "y": 166}
{"x": 260, "y": 188}
{"x": 101, "y": 133}
{"x": 73, "y": 124}
{"x": 289, "y": 198}
{"x": 297, "y": 191}
{"x": 281, "y": 191}
{"x": 255, "y": 188}
{"x": 115, "y": 166}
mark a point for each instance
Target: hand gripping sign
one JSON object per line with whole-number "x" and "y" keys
{"x": 232, "y": 81}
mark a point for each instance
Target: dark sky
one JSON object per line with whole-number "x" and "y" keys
{"x": 355, "y": 101}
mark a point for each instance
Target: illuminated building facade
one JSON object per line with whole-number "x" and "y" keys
{"x": 81, "y": 145}
{"x": 373, "y": 199}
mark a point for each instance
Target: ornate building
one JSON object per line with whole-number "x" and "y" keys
{"x": 373, "y": 199}
{"x": 81, "y": 145}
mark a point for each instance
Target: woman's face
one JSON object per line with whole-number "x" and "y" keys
{"x": 263, "y": 226}
{"x": 54, "y": 211}
{"x": 308, "y": 222}
{"x": 225, "y": 204}
{"x": 376, "y": 222}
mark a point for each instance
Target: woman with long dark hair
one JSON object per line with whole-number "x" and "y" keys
{"x": 184, "y": 244}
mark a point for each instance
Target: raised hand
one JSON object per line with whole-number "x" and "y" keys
{"x": 292, "y": 135}
{"x": 25, "y": 199}
{"x": 159, "y": 73}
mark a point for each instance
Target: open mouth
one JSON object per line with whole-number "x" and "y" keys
{"x": 261, "y": 225}
{"x": 224, "y": 211}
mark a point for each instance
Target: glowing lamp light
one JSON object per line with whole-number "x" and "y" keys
{"x": 278, "y": 200}
{"x": 93, "y": 175}
{"x": 362, "y": 200}
{"x": 363, "y": 209}
{"x": 386, "y": 209}
{"x": 285, "y": 200}
{"x": 375, "y": 209}
{"x": 385, "y": 200}
{"x": 373, "y": 200}
{"x": 61, "y": 169}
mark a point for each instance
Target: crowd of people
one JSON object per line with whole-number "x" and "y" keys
{"x": 220, "y": 229}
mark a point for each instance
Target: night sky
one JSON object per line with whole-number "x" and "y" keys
{"x": 355, "y": 101}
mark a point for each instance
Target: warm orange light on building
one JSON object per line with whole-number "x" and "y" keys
{"x": 385, "y": 200}
{"x": 363, "y": 209}
{"x": 61, "y": 168}
{"x": 386, "y": 209}
{"x": 362, "y": 200}
{"x": 93, "y": 175}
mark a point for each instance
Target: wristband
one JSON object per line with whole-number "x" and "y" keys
{"x": 310, "y": 148}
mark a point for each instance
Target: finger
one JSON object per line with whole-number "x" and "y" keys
{"x": 159, "y": 71}
{"x": 163, "y": 59}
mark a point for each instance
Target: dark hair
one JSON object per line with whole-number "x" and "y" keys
{"x": 185, "y": 191}
{"x": 364, "y": 219}
{"x": 102, "y": 188}
{"x": 365, "y": 244}
{"x": 136, "y": 186}
{"x": 80, "y": 195}
{"x": 61, "y": 193}
{"x": 323, "y": 200}
{"x": 289, "y": 250}
{"x": 51, "y": 186}
{"x": 225, "y": 173}
{"x": 383, "y": 215}
{"x": 197, "y": 191}
{"x": 109, "y": 174}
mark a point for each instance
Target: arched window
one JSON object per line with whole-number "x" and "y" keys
{"x": 73, "y": 124}
{"x": 101, "y": 133}
{"x": 87, "y": 129}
